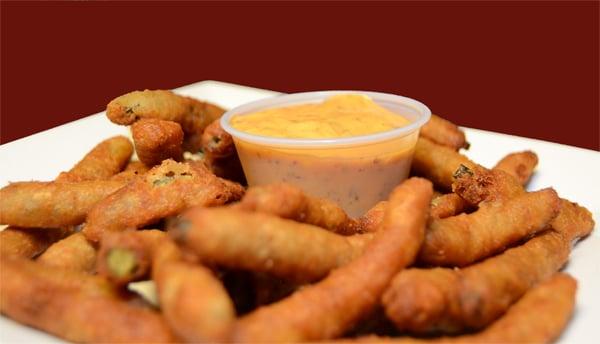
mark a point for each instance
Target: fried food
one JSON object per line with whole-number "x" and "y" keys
{"x": 106, "y": 159}
{"x": 74, "y": 306}
{"x": 262, "y": 242}
{"x": 477, "y": 184}
{"x": 157, "y": 140}
{"x": 444, "y": 132}
{"x": 28, "y": 242}
{"x": 519, "y": 165}
{"x": 52, "y": 204}
{"x": 193, "y": 115}
{"x": 453, "y": 300}
{"x": 539, "y": 316}
{"x": 163, "y": 191}
{"x": 437, "y": 163}
{"x": 133, "y": 170}
{"x": 371, "y": 221}
{"x": 327, "y": 309}
{"x": 447, "y": 205}
{"x": 73, "y": 253}
{"x": 290, "y": 202}
{"x": 220, "y": 154}
{"x": 463, "y": 239}
{"x": 216, "y": 142}
{"x": 126, "y": 256}
{"x": 193, "y": 301}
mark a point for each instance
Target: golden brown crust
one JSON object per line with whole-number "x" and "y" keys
{"x": 262, "y": 242}
{"x": 463, "y": 239}
{"x": 193, "y": 115}
{"x": 157, "y": 140}
{"x": 164, "y": 191}
{"x": 74, "y": 306}
{"x": 437, "y": 163}
{"x": 73, "y": 253}
{"x": 52, "y": 204}
{"x": 290, "y": 202}
{"x": 520, "y": 165}
{"x": 444, "y": 132}
{"x": 328, "y": 308}
{"x": 452, "y": 300}
{"x": 28, "y": 242}
{"x": 103, "y": 161}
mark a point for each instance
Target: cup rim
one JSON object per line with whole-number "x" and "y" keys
{"x": 307, "y": 97}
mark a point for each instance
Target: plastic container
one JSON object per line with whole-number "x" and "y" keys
{"x": 356, "y": 172}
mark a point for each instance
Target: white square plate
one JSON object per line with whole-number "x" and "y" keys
{"x": 573, "y": 172}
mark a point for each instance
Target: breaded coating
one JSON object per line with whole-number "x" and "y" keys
{"x": 466, "y": 238}
{"x": 126, "y": 256}
{"x": 194, "y": 302}
{"x": 262, "y": 242}
{"x": 216, "y": 142}
{"x": 52, "y": 204}
{"x": 444, "y": 132}
{"x": 74, "y": 306}
{"x": 164, "y": 191}
{"x": 193, "y": 115}
{"x": 73, "y": 253}
{"x": 477, "y": 184}
{"x": 539, "y": 316}
{"x": 447, "y": 205}
{"x": 437, "y": 163}
{"x": 371, "y": 221}
{"x": 157, "y": 140}
{"x": 454, "y": 300}
{"x": 220, "y": 154}
{"x": 330, "y": 307}
{"x": 28, "y": 242}
{"x": 519, "y": 165}
{"x": 133, "y": 170}
{"x": 103, "y": 161}
{"x": 290, "y": 202}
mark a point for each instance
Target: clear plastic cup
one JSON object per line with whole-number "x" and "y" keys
{"x": 356, "y": 172}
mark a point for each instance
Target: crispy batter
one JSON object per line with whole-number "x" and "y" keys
{"x": 447, "y": 205}
{"x": 371, "y": 221}
{"x": 463, "y": 239}
{"x": 436, "y": 162}
{"x": 126, "y": 256}
{"x": 444, "y": 132}
{"x": 519, "y": 165}
{"x": 28, "y": 242}
{"x": 452, "y": 300}
{"x": 217, "y": 142}
{"x": 51, "y": 204}
{"x": 74, "y": 306}
{"x": 103, "y": 161}
{"x": 133, "y": 170}
{"x": 73, "y": 253}
{"x": 477, "y": 184}
{"x": 290, "y": 202}
{"x": 193, "y": 115}
{"x": 194, "y": 302}
{"x": 164, "y": 191}
{"x": 264, "y": 242}
{"x": 327, "y": 309}
{"x": 157, "y": 140}
{"x": 539, "y": 316}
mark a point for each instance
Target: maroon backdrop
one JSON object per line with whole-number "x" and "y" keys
{"x": 524, "y": 68}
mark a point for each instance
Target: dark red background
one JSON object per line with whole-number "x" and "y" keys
{"x": 524, "y": 68}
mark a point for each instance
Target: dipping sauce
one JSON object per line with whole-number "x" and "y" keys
{"x": 343, "y": 115}
{"x": 355, "y": 174}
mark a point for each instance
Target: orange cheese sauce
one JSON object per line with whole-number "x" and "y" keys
{"x": 356, "y": 177}
{"x": 343, "y": 115}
